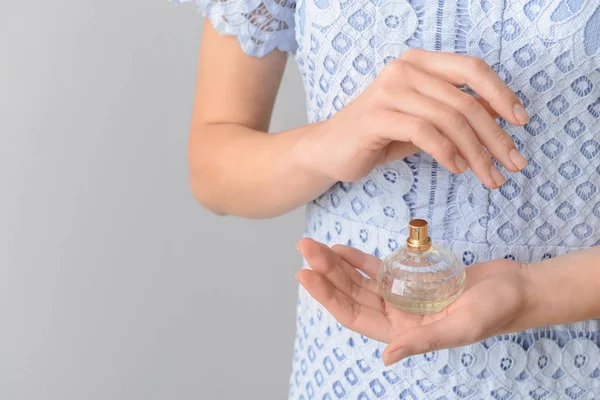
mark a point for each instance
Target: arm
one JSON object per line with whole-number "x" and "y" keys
{"x": 500, "y": 297}
{"x": 235, "y": 167}
{"x": 414, "y": 103}
{"x": 564, "y": 289}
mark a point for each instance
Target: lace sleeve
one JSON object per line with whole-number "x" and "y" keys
{"x": 260, "y": 25}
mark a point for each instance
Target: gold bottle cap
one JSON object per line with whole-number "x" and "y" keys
{"x": 418, "y": 237}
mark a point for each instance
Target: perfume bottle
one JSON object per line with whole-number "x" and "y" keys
{"x": 421, "y": 277}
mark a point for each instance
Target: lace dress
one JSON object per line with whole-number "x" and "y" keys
{"x": 548, "y": 51}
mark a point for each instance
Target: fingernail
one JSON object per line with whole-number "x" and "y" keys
{"x": 395, "y": 356}
{"x": 520, "y": 113}
{"x": 497, "y": 176}
{"x": 517, "y": 158}
{"x": 460, "y": 163}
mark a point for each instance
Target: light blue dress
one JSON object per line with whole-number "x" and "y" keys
{"x": 548, "y": 51}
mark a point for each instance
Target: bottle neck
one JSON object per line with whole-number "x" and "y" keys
{"x": 418, "y": 246}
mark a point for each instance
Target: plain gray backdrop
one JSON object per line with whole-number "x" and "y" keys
{"x": 114, "y": 283}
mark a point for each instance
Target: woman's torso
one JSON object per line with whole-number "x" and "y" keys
{"x": 548, "y": 51}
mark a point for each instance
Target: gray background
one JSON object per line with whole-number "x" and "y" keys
{"x": 114, "y": 283}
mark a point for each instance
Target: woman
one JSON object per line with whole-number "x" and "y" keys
{"x": 402, "y": 99}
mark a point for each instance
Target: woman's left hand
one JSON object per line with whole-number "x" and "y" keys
{"x": 496, "y": 300}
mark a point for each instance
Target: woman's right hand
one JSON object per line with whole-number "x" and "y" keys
{"x": 415, "y": 104}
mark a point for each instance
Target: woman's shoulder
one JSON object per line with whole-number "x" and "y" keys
{"x": 261, "y": 26}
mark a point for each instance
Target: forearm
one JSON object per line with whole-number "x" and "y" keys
{"x": 240, "y": 171}
{"x": 564, "y": 289}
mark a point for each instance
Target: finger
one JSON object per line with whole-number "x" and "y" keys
{"x": 456, "y": 330}
{"x": 367, "y": 263}
{"x": 400, "y": 150}
{"x": 487, "y": 106}
{"x": 348, "y": 312}
{"x": 402, "y": 127}
{"x": 471, "y": 71}
{"x": 455, "y": 127}
{"x": 341, "y": 275}
{"x": 492, "y": 136}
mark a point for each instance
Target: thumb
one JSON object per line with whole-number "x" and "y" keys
{"x": 452, "y": 331}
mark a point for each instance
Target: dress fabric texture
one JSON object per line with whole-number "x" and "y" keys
{"x": 548, "y": 51}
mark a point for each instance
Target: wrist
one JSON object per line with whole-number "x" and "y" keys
{"x": 308, "y": 149}
{"x": 536, "y": 307}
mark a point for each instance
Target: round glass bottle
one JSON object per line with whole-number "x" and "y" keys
{"x": 421, "y": 277}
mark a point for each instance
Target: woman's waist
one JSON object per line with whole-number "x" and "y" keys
{"x": 380, "y": 240}
{"x": 538, "y": 212}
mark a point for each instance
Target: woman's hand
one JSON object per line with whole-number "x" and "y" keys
{"x": 496, "y": 300}
{"x": 415, "y": 103}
